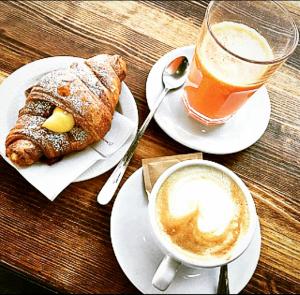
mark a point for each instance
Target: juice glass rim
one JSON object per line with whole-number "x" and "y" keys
{"x": 262, "y": 62}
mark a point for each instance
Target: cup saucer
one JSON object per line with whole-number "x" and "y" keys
{"x": 139, "y": 256}
{"x": 241, "y": 131}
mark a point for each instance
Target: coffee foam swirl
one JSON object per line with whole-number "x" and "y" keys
{"x": 202, "y": 211}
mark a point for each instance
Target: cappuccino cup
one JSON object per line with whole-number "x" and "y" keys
{"x": 202, "y": 215}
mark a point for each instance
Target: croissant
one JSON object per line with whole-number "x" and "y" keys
{"x": 87, "y": 92}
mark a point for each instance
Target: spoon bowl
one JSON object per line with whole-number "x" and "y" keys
{"x": 174, "y": 74}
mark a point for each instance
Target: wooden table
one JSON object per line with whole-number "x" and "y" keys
{"x": 66, "y": 244}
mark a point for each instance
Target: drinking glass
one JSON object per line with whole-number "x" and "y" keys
{"x": 240, "y": 45}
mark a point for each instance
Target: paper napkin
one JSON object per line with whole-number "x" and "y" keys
{"x": 120, "y": 130}
{"x": 154, "y": 167}
{"x": 51, "y": 180}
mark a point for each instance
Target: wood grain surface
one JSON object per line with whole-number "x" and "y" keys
{"x": 66, "y": 244}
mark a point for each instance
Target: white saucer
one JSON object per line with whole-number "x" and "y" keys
{"x": 139, "y": 256}
{"x": 241, "y": 131}
{"x": 12, "y": 99}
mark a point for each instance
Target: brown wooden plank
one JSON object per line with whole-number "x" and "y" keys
{"x": 66, "y": 244}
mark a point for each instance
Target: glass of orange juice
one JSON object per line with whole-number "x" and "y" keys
{"x": 240, "y": 45}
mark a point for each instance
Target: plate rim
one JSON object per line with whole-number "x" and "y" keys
{"x": 21, "y": 71}
{"x": 139, "y": 173}
{"x": 177, "y": 138}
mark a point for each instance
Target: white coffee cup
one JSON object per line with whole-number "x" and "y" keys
{"x": 173, "y": 259}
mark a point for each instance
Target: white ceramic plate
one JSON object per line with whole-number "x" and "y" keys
{"x": 139, "y": 257}
{"x": 12, "y": 98}
{"x": 241, "y": 131}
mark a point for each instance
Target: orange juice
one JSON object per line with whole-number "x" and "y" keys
{"x": 219, "y": 83}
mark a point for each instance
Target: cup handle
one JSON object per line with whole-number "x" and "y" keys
{"x": 165, "y": 273}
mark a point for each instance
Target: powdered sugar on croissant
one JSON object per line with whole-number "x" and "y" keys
{"x": 88, "y": 90}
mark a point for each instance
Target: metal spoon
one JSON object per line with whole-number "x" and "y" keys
{"x": 173, "y": 76}
{"x": 223, "y": 285}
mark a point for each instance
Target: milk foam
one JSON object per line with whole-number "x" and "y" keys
{"x": 241, "y": 40}
{"x": 212, "y": 197}
{"x": 203, "y": 213}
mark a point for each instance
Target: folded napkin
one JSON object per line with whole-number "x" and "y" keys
{"x": 53, "y": 179}
{"x": 121, "y": 129}
{"x": 154, "y": 167}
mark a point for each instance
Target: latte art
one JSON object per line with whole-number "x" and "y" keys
{"x": 202, "y": 211}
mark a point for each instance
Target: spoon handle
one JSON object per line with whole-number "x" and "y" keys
{"x": 111, "y": 185}
{"x": 223, "y": 285}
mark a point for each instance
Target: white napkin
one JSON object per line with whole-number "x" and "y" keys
{"x": 52, "y": 180}
{"x": 121, "y": 129}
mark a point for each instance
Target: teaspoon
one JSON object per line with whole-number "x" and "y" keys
{"x": 173, "y": 76}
